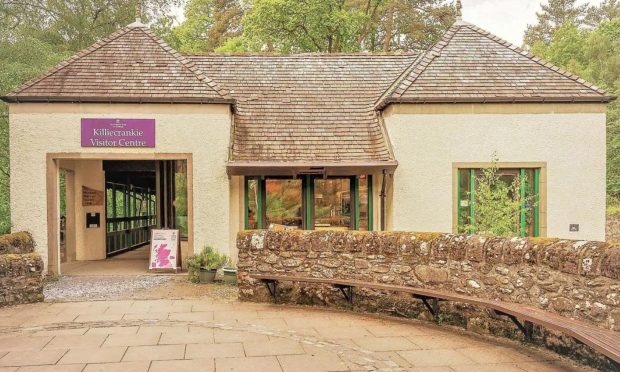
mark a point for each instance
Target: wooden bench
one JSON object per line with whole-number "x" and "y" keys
{"x": 606, "y": 342}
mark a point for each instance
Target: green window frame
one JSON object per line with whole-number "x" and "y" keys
{"x": 466, "y": 196}
{"x": 308, "y": 195}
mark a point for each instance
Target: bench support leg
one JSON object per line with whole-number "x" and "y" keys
{"x": 431, "y": 304}
{"x": 527, "y": 327}
{"x": 347, "y": 292}
{"x": 272, "y": 286}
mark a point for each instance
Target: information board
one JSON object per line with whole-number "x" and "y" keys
{"x": 91, "y": 197}
{"x": 105, "y": 132}
{"x": 164, "y": 250}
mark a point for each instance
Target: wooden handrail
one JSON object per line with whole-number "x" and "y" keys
{"x": 604, "y": 341}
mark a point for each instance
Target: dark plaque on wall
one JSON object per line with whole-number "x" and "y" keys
{"x": 91, "y": 197}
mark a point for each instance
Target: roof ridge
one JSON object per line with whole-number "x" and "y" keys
{"x": 538, "y": 60}
{"x": 422, "y": 61}
{"x": 80, "y": 54}
{"x": 187, "y": 63}
{"x": 388, "y": 92}
{"x": 298, "y": 55}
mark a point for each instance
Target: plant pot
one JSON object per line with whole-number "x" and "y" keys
{"x": 230, "y": 275}
{"x": 207, "y": 275}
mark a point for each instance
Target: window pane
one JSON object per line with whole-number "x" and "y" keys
{"x": 464, "y": 200}
{"x": 180, "y": 197}
{"x": 284, "y": 203}
{"x": 504, "y": 202}
{"x": 252, "y": 190}
{"x": 363, "y": 203}
{"x": 332, "y": 204}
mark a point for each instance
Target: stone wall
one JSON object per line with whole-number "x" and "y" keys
{"x": 21, "y": 279}
{"x": 613, "y": 228}
{"x": 577, "y": 279}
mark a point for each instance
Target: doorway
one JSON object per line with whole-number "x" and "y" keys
{"x": 107, "y": 209}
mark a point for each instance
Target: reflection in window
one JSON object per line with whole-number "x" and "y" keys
{"x": 180, "y": 197}
{"x": 284, "y": 203}
{"x": 509, "y": 206}
{"x": 252, "y": 204}
{"x": 364, "y": 210}
{"x": 332, "y": 204}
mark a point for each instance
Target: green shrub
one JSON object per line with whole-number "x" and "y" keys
{"x": 613, "y": 206}
{"x": 208, "y": 259}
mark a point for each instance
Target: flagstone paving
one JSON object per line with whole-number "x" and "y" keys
{"x": 210, "y": 334}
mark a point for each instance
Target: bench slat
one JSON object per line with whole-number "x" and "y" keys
{"x": 604, "y": 341}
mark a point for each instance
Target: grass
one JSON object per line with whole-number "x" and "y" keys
{"x": 613, "y": 206}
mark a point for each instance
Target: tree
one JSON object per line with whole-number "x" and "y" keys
{"x": 208, "y": 25}
{"x": 37, "y": 34}
{"x": 608, "y": 10}
{"x": 498, "y": 204}
{"x": 553, "y": 15}
{"x": 291, "y": 26}
{"x": 593, "y": 54}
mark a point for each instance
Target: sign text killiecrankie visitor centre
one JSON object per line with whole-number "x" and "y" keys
{"x": 118, "y": 132}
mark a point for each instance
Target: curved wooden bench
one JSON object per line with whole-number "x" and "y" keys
{"x": 606, "y": 342}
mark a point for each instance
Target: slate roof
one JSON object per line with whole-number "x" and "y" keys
{"x": 472, "y": 65}
{"x": 131, "y": 65}
{"x": 307, "y": 107}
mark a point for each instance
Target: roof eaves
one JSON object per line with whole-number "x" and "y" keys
{"x": 104, "y": 99}
{"x": 297, "y": 167}
{"x": 423, "y": 100}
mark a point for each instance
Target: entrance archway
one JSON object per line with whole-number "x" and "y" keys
{"x": 114, "y": 201}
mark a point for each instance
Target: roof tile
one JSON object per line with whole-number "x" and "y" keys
{"x": 126, "y": 65}
{"x": 471, "y": 65}
{"x": 307, "y": 107}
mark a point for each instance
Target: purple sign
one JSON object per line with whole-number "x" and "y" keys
{"x": 118, "y": 132}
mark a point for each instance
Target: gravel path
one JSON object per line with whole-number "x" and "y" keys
{"x": 81, "y": 288}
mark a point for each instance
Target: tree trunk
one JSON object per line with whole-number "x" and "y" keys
{"x": 389, "y": 24}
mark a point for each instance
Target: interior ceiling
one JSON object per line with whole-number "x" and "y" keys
{"x": 134, "y": 172}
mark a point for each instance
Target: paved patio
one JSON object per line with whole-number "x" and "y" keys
{"x": 208, "y": 334}
{"x": 135, "y": 262}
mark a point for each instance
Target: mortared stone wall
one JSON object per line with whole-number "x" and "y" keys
{"x": 21, "y": 279}
{"x": 577, "y": 279}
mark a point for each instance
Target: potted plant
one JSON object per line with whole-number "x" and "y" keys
{"x": 230, "y": 273}
{"x": 194, "y": 263}
{"x": 212, "y": 262}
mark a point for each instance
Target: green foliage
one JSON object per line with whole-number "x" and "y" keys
{"x": 554, "y": 14}
{"x": 37, "y": 34}
{"x": 593, "y": 54}
{"x": 207, "y": 259}
{"x": 613, "y": 206}
{"x": 498, "y": 204}
{"x": 208, "y": 25}
{"x": 293, "y": 26}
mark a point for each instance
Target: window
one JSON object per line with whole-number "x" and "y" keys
{"x": 180, "y": 197}
{"x": 283, "y": 203}
{"x": 309, "y": 202}
{"x": 332, "y": 204}
{"x": 504, "y": 202}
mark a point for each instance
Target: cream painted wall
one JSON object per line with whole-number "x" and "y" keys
{"x": 237, "y": 216}
{"x": 200, "y": 130}
{"x": 428, "y": 139}
{"x": 89, "y": 242}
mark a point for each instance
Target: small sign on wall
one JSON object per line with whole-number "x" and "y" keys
{"x": 91, "y": 197}
{"x": 164, "y": 250}
{"x": 118, "y": 132}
